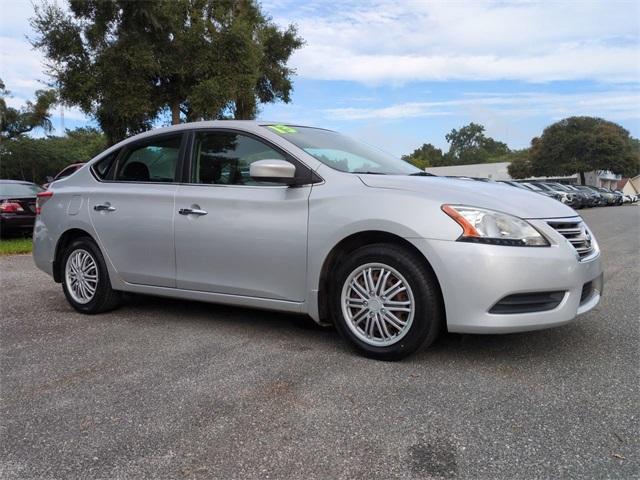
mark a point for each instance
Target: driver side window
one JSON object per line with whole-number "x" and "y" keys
{"x": 225, "y": 158}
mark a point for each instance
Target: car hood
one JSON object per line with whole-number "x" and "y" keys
{"x": 494, "y": 196}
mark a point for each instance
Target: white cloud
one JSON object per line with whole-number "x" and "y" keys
{"x": 22, "y": 71}
{"x": 400, "y": 41}
{"x": 21, "y": 67}
{"x": 616, "y": 105}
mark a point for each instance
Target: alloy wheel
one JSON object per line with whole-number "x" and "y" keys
{"x": 81, "y": 276}
{"x": 378, "y": 304}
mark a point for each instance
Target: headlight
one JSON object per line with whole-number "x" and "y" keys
{"x": 480, "y": 225}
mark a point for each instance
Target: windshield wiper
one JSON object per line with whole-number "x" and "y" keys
{"x": 370, "y": 173}
{"x": 422, "y": 174}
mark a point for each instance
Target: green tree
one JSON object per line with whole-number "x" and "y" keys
{"x": 581, "y": 144}
{"x": 34, "y": 159}
{"x": 127, "y": 63}
{"x": 470, "y": 145}
{"x": 425, "y": 156}
{"x": 520, "y": 163}
{"x": 16, "y": 122}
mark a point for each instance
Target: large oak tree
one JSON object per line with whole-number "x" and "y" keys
{"x": 582, "y": 144}
{"x": 127, "y": 62}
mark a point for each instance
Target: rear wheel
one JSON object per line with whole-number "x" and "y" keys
{"x": 85, "y": 279}
{"x": 386, "y": 302}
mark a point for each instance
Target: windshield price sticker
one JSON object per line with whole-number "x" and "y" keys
{"x": 282, "y": 129}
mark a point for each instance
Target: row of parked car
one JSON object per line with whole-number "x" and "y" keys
{"x": 576, "y": 196}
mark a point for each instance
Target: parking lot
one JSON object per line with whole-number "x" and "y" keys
{"x": 171, "y": 389}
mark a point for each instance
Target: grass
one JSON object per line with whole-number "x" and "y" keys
{"x": 14, "y": 246}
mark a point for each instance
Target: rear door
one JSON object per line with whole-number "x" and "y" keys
{"x": 132, "y": 210}
{"x": 250, "y": 237}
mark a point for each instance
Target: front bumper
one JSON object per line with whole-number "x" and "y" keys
{"x": 474, "y": 277}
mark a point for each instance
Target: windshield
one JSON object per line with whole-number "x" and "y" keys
{"x": 343, "y": 153}
{"x": 542, "y": 186}
{"x": 531, "y": 186}
{"x": 19, "y": 190}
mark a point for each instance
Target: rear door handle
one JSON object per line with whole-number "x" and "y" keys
{"x": 192, "y": 211}
{"x": 104, "y": 207}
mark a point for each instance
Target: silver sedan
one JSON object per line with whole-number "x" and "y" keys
{"x": 307, "y": 220}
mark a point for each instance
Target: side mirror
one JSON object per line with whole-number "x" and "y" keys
{"x": 49, "y": 178}
{"x": 279, "y": 171}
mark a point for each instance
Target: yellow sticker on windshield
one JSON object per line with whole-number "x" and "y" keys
{"x": 282, "y": 129}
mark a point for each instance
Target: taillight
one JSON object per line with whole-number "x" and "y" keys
{"x": 41, "y": 199}
{"x": 11, "y": 207}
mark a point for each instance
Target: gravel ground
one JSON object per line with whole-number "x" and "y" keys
{"x": 171, "y": 389}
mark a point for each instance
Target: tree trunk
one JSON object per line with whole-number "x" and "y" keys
{"x": 175, "y": 112}
{"x": 245, "y": 108}
{"x": 582, "y": 181}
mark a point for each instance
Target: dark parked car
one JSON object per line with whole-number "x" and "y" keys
{"x": 560, "y": 195}
{"x": 568, "y": 198}
{"x": 583, "y": 199}
{"x": 619, "y": 196}
{"x": 65, "y": 172}
{"x": 612, "y": 198}
{"x": 596, "y": 198}
{"x": 541, "y": 191}
{"x": 17, "y": 206}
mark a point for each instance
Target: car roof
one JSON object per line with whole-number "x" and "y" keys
{"x": 251, "y": 126}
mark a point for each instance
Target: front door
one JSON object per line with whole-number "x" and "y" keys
{"x": 245, "y": 237}
{"x": 132, "y": 212}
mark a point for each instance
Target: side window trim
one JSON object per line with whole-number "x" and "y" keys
{"x": 314, "y": 178}
{"x": 186, "y": 157}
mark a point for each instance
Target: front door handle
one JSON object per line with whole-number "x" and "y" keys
{"x": 192, "y": 211}
{"x": 104, "y": 207}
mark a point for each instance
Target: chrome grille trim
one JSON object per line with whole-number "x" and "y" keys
{"x": 577, "y": 234}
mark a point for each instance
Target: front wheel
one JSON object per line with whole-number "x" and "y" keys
{"x": 386, "y": 302}
{"x": 85, "y": 280}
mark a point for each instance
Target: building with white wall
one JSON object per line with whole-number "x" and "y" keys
{"x": 499, "y": 171}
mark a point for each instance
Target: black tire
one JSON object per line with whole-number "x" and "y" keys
{"x": 104, "y": 298}
{"x": 428, "y": 319}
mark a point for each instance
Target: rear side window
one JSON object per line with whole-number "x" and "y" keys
{"x": 154, "y": 161}
{"x": 101, "y": 168}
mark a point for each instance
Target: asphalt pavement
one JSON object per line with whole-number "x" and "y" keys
{"x": 173, "y": 389}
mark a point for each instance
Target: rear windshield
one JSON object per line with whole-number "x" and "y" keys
{"x": 19, "y": 190}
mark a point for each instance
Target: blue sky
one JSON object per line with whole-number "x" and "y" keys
{"x": 399, "y": 73}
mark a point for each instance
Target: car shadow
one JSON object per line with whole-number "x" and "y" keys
{"x": 575, "y": 339}
{"x": 194, "y": 310}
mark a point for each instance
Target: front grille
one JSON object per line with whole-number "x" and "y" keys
{"x": 577, "y": 235}
{"x": 528, "y": 302}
